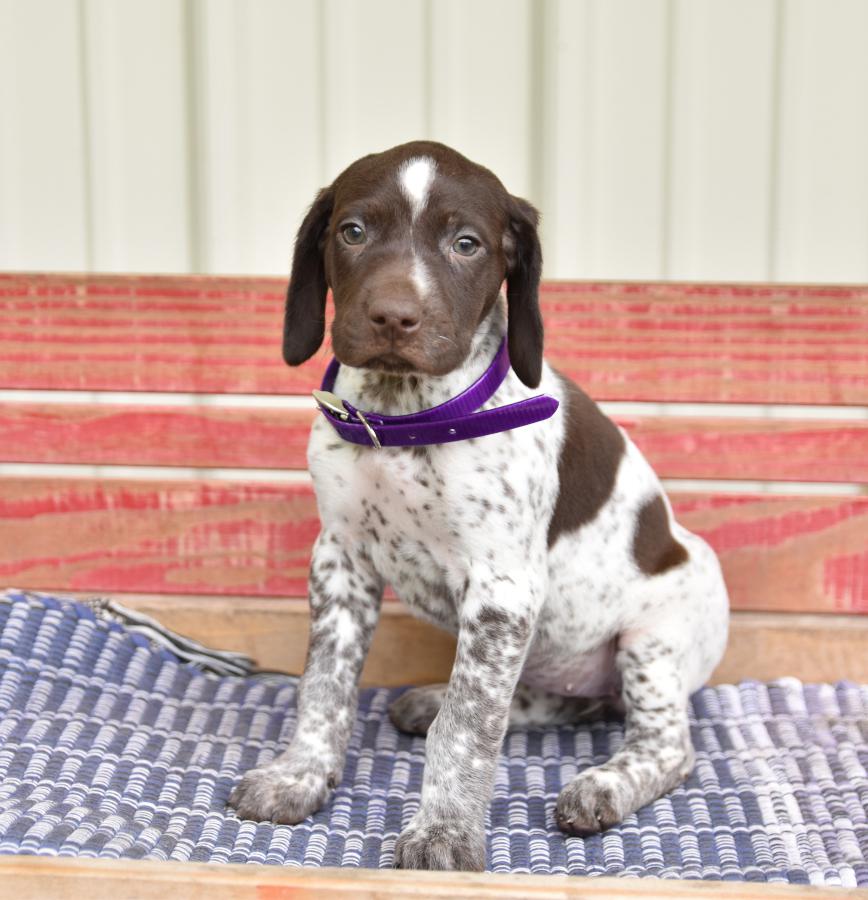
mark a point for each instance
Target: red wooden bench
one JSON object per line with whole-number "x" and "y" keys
{"x": 222, "y": 555}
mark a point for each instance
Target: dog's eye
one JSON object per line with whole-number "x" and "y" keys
{"x": 465, "y": 245}
{"x": 353, "y": 233}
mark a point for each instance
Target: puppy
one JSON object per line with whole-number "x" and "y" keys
{"x": 548, "y": 548}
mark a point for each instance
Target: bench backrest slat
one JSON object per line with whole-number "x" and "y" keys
{"x": 796, "y": 553}
{"x": 661, "y": 342}
{"x": 249, "y": 532}
{"x": 693, "y": 446}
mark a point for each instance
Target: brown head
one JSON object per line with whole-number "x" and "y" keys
{"x": 415, "y": 243}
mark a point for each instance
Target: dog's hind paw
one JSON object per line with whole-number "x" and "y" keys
{"x": 415, "y": 710}
{"x": 592, "y": 802}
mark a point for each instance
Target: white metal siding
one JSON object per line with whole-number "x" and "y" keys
{"x": 698, "y": 139}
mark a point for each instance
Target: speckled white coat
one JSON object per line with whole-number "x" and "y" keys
{"x": 484, "y": 505}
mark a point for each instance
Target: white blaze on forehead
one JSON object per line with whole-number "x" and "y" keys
{"x": 420, "y": 277}
{"x": 415, "y": 177}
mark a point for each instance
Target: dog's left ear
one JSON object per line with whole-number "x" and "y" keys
{"x": 304, "y": 320}
{"x": 524, "y": 267}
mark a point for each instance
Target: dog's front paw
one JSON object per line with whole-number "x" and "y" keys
{"x": 436, "y": 844}
{"x": 281, "y": 792}
{"x": 593, "y": 801}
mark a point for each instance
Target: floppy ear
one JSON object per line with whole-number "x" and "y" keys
{"x": 304, "y": 321}
{"x": 524, "y": 267}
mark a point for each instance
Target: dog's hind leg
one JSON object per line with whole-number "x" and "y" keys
{"x": 535, "y": 708}
{"x": 415, "y": 710}
{"x": 657, "y": 754}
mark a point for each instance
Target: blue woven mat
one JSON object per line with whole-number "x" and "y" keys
{"x": 111, "y": 747}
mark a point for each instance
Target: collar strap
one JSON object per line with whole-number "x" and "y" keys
{"x": 454, "y": 420}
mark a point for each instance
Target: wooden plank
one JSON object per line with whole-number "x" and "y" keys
{"x": 28, "y": 878}
{"x": 664, "y": 342}
{"x": 274, "y": 630}
{"x": 126, "y": 434}
{"x": 178, "y": 537}
{"x": 677, "y": 447}
{"x": 779, "y": 552}
{"x": 407, "y": 650}
{"x": 754, "y": 449}
{"x": 789, "y": 553}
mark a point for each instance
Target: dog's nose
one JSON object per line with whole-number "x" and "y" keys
{"x": 396, "y": 318}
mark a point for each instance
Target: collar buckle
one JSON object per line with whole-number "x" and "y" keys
{"x": 331, "y": 403}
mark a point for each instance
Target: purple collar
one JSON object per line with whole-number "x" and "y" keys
{"x": 454, "y": 420}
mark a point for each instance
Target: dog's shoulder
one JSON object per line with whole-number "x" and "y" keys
{"x": 590, "y": 456}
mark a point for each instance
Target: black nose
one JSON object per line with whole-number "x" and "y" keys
{"x": 394, "y": 318}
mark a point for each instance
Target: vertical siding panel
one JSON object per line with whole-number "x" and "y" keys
{"x": 260, "y": 151}
{"x": 375, "y": 77}
{"x": 823, "y": 177}
{"x": 137, "y": 100}
{"x": 605, "y": 79}
{"x": 722, "y": 122}
{"x": 43, "y": 202}
{"x": 220, "y": 100}
{"x": 567, "y": 223}
{"x": 481, "y": 84}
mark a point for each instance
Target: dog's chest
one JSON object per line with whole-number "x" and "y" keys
{"x": 427, "y": 515}
{"x": 394, "y": 501}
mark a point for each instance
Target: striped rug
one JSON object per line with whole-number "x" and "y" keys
{"x": 111, "y": 746}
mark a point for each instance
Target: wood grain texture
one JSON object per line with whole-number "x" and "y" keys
{"x": 122, "y": 434}
{"x": 797, "y": 553}
{"x": 181, "y": 537}
{"x": 405, "y": 650}
{"x": 677, "y": 447}
{"x": 28, "y": 877}
{"x": 754, "y": 449}
{"x": 665, "y": 342}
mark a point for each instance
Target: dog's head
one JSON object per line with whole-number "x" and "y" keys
{"x": 415, "y": 243}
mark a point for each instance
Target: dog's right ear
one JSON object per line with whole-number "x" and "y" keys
{"x": 304, "y": 320}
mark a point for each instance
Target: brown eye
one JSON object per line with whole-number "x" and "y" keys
{"x": 465, "y": 245}
{"x": 353, "y": 233}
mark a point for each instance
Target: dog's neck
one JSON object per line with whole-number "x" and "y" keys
{"x": 396, "y": 395}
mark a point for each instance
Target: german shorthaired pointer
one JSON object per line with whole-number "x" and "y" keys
{"x": 548, "y": 548}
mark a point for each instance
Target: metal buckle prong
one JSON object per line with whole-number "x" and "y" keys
{"x": 332, "y": 403}
{"x": 371, "y": 433}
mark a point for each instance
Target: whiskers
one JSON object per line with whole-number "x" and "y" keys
{"x": 448, "y": 340}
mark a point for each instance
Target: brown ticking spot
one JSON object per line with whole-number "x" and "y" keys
{"x": 654, "y": 548}
{"x": 590, "y": 456}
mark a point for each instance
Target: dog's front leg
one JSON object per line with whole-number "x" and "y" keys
{"x": 345, "y": 595}
{"x": 495, "y": 626}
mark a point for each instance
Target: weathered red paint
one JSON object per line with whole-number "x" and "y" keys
{"x": 277, "y": 439}
{"x": 739, "y": 343}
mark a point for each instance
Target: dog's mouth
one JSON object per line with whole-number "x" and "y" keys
{"x": 391, "y": 363}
